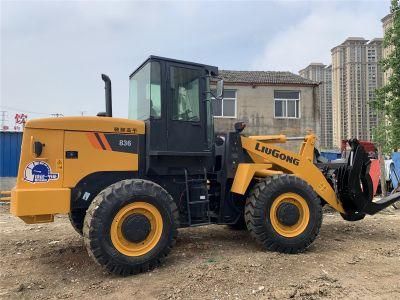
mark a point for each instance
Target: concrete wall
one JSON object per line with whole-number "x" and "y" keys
{"x": 255, "y": 106}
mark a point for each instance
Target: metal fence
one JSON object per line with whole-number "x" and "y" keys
{"x": 10, "y": 151}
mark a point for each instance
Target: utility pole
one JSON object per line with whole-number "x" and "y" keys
{"x": 381, "y": 159}
{"x": 3, "y": 119}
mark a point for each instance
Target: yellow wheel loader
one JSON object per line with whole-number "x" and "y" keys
{"x": 129, "y": 184}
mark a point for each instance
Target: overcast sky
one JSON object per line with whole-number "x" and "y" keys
{"x": 53, "y": 52}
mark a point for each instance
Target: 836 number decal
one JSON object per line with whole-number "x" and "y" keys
{"x": 125, "y": 143}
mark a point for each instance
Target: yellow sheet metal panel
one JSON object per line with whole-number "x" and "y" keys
{"x": 99, "y": 124}
{"x": 300, "y": 165}
{"x": 40, "y": 201}
{"x": 307, "y": 147}
{"x": 266, "y": 173}
{"x": 269, "y": 138}
{"x": 45, "y": 171}
{"x": 37, "y": 219}
{"x": 98, "y": 152}
{"x": 244, "y": 174}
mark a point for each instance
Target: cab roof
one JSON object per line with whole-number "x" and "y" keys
{"x": 212, "y": 69}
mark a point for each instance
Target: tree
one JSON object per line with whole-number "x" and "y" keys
{"x": 387, "y": 98}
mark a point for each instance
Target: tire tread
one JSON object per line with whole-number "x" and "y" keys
{"x": 254, "y": 210}
{"x": 105, "y": 200}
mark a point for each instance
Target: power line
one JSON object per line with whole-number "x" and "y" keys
{"x": 24, "y": 110}
{"x": 82, "y": 112}
{"x": 57, "y": 115}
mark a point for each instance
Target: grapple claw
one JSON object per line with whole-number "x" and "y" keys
{"x": 354, "y": 184}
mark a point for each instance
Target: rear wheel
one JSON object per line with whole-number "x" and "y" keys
{"x": 284, "y": 214}
{"x": 131, "y": 226}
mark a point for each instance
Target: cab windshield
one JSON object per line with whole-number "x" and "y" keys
{"x": 145, "y": 92}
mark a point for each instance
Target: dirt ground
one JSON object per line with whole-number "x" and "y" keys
{"x": 348, "y": 260}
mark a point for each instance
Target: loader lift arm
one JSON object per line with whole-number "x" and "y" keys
{"x": 352, "y": 192}
{"x": 270, "y": 159}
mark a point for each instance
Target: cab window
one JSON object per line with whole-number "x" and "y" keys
{"x": 185, "y": 92}
{"x": 145, "y": 93}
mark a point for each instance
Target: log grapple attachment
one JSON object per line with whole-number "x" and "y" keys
{"x": 354, "y": 185}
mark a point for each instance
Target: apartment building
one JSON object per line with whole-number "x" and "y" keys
{"x": 374, "y": 78}
{"x": 387, "y": 22}
{"x": 355, "y": 76}
{"x": 323, "y": 74}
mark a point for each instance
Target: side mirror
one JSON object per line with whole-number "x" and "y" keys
{"x": 220, "y": 88}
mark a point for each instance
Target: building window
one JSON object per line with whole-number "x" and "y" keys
{"x": 287, "y": 104}
{"x": 226, "y": 107}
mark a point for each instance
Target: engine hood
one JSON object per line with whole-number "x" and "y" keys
{"x": 98, "y": 124}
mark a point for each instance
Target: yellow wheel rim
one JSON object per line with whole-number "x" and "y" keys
{"x": 304, "y": 215}
{"x": 136, "y": 249}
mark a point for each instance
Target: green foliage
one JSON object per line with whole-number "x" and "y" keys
{"x": 387, "y": 100}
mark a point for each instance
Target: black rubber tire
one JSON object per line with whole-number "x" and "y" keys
{"x": 257, "y": 212}
{"x": 353, "y": 217}
{"x": 77, "y": 217}
{"x": 239, "y": 225}
{"x": 105, "y": 206}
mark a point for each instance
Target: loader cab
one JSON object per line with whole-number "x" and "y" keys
{"x": 173, "y": 98}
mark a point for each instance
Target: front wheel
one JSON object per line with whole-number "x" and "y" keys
{"x": 239, "y": 225}
{"x": 131, "y": 226}
{"x": 284, "y": 214}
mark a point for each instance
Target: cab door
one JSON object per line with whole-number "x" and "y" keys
{"x": 186, "y": 110}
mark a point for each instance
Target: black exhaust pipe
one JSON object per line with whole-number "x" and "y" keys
{"x": 107, "y": 88}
